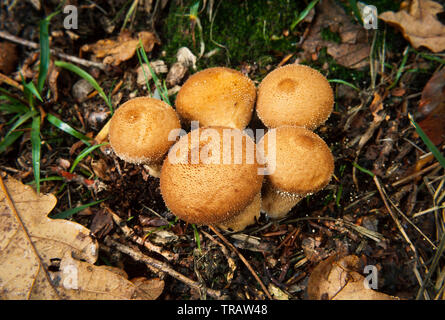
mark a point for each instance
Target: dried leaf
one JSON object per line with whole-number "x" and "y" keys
{"x": 353, "y": 51}
{"x": 39, "y": 256}
{"x": 419, "y": 24}
{"x": 432, "y": 107}
{"x": 82, "y": 280}
{"x": 24, "y": 270}
{"x": 121, "y": 49}
{"x": 338, "y": 279}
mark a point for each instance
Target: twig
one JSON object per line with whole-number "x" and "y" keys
{"x": 27, "y": 43}
{"x": 130, "y": 234}
{"x": 243, "y": 260}
{"x": 415, "y": 175}
{"x": 138, "y": 256}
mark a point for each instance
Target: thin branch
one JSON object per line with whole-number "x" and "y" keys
{"x": 30, "y": 44}
{"x": 139, "y": 256}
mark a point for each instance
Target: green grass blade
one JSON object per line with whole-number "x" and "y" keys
{"x": 6, "y": 142}
{"x": 303, "y": 14}
{"x": 52, "y": 178}
{"x": 32, "y": 89}
{"x": 85, "y": 75}
{"x": 36, "y": 145}
{"x": 22, "y": 119}
{"x": 67, "y": 128}
{"x": 197, "y": 239}
{"x": 345, "y": 83}
{"x": 428, "y": 142}
{"x": 68, "y": 213}
{"x": 84, "y": 153}
{"x": 363, "y": 169}
{"x": 13, "y": 108}
{"x": 44, "y": 51}
{"x": 162, "y": 92}
{"x": 400, "y": 69}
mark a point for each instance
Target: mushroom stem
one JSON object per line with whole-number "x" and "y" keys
{"x": 276, "y": 203}
{"x": 245, "y": 218}
{"x": 153, "y": 169}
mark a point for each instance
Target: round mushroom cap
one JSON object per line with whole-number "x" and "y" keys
{"x": 303, "y": 162}
{"x": 139, "y": 130}
{"x": 295, "y": 95}
{"x": 217, "y": 97}
{"x": 217, "y": 185}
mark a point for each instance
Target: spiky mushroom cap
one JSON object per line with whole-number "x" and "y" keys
{"x": 295, "y": 95}
{"x": 217, "y": 97}
{"x": 219, "y": 185}
{"x": 303, "y": 162}
{"x": 139, "y": 130}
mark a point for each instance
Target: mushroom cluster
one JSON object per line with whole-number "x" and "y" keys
{"x": 215, "y": 174}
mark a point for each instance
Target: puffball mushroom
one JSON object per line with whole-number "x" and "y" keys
{"x": 139, "y": 132}
{"x": 303, "y": 165}
{"x": 217, "y": 97}
{"x": 295, "y": 95}
{"x": 210, "y": 177}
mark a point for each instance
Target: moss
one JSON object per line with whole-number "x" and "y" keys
{"x": 251, "y": 30}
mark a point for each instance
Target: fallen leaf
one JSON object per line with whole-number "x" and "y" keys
{"x": 85, "y": 281}
{"x": 27, "y": 251}
{"x": 121, "y": 49}
{"x": 40, "y": 257}
{"x": 338, "y": 279}
{"x": 353, "y": 49}
{"x": 432, "y": 108}
{"x": 150, "y": 288}
{"x": 419, "y": 24}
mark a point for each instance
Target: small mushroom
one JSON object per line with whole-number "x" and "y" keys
{"x": 294, "y": 95}
{"x": 139, "y": 132}
{"x": 303, "y": 165}
{"x": 210, "y": 177}
{"x": 217, "y": 97}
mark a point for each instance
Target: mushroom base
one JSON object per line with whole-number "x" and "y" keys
{"x": 245, "y": 218}
{"x": 276, "y": 203}
{"x": 153, "y": 169}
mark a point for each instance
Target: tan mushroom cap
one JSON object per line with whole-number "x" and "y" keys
{"x": 294, "y": 95}
{"x": 304, "y": 163}
{"x": 213, "y": 190}
{"x": 139, "y": 130}
{"x": 217, "y": 97}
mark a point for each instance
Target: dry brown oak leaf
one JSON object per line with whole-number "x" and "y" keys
{"x": 40, "y": 257}
{"x": 121, "y": 49}
{"x": 353, "y": 51}
{"x": 338, "y": 279}
{"x": 417, "y": 20}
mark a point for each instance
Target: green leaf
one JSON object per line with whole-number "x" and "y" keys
{"x": 84, "y": 153}
{"x": 68, "y": 213}
{"x": 67, "y": 128}
{"x": 363, "y": 169}
{"x": 44, "y": 52}
{"x": 428, "y": 142}
{"x": 162, "y": 91}
{"x": 31, "y": 88}
{"x": 13, "y": 108}
{"x": 36, "y": 145}
{"x": 22, "y": 119}
{"x": 53, "y": 178}
{"x": 6, "y": 142}
{"x": 345, "y": 83}
{"x": 303, "y": 14}
{"x": 85, "y": 75}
